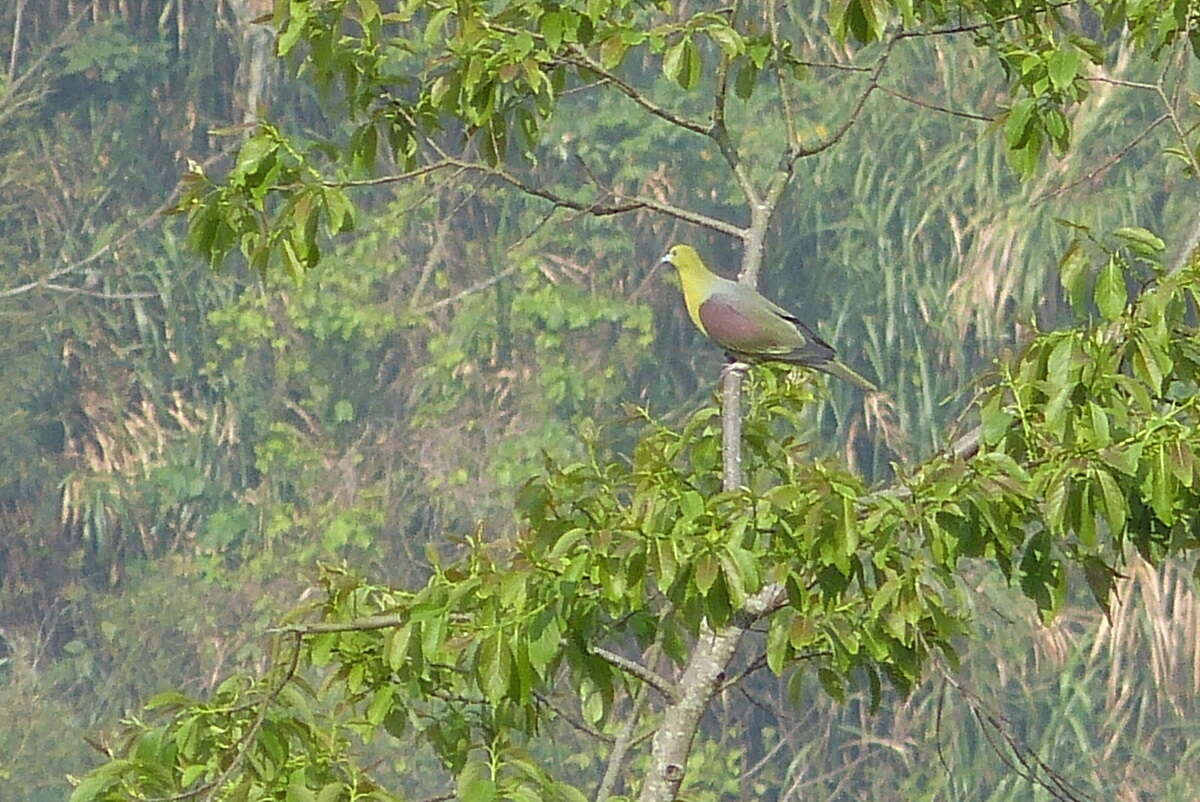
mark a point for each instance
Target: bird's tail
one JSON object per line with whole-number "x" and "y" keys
{"x": 835, "y": 368}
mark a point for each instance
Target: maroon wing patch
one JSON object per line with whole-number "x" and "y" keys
{"x": 726, "y": 324}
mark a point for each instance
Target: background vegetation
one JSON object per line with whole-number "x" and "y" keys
{"x": 183, "y": 447}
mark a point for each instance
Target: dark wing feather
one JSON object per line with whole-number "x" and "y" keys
{"x": 810, "y": 334}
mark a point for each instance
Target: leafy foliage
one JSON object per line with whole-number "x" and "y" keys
{"x": 340, "y": 410}
{"x": 1088, "y": 439}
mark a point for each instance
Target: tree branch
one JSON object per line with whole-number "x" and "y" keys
{"x": 145, "y": 223}
{"x": 580, "y": 58}
{"x": 567, "y": 717}
{"x": 789, "y": 115}
{"x": 357, "y": 625}
{"x": 934, "y": 107}
{"x": 718, "y": 132}
{"x": 1106, "y": 165}
{"x": 621, "y": 747}
{"x": 658, "y": 683}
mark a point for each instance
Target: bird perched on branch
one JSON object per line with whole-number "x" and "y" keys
{"x": 748, "y": 326}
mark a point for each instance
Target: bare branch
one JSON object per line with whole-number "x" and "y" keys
{"x": 1169, "y": 107}
{"x": 1032, "y": 768}
{"x": 718, "y": 132}
{"x": 581, "y": 58}
{"x": 856, "y": 111}
{"x": 16, "y": 42}
{"x": 1106, "y": 165}
{"x": 1104, "y": 79}
{"x": 150, "y": 219}
{"x": 978, "y": 26}
{"x": 789, "y": 114}
{"x": 625, "y": 740}
{"x": 357, "y": 625}
{"x": 934, "y": 107}
{"x": 574, "y": 722}
{"x": 829, "y": 65}
{"x": 114, "y": 296}
{"x": 474, "y": 288}
{"x": 395, "y": 178}
{"x": 731, "y": 424}
{"x": 660, "y": 684}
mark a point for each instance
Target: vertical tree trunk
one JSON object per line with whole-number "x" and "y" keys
{"x": 705, "y": 670}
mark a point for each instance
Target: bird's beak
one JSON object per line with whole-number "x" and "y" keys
{"x": 666, "y": 260}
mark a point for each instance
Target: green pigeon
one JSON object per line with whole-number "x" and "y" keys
{"x": 748, "y": 326}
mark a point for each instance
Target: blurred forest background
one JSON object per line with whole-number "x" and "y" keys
{"x": 180, "y": 448}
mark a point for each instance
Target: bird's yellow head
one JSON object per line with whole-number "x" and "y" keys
{"x": 686, "y": 261}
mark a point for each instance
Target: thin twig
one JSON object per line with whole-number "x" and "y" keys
{"x": 16, "y": 42}
{"x": 574, "y": 722}
{"x": 474, "y": 288}
{"x": 114, "y": 296}
{"x": 622, "y": 745}
{"x": 789, "y": 117}
{"x": 1106, "y": 165}
{"x": 972, "y": 28}
{"x": 357, "y": 625}
{"x": 934, "y": 107}
{"x": 1032, "y": 768}
{"x": 145, "y": 223}
{"x": 580, "y": 58}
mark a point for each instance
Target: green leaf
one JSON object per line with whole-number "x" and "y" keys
{"x": 1145, "y": 365}
{"x": 777, "y": 644}
{"x": 191, "y": 774}
{"x": 673, "y": 61}
{"x": 995, "y": 420}
{"x": 494, "y": 667}
{"x": 1110, "y": 294}
{"x": 552, "y": 26}
{"x": 833, "y": 684}
{"x": 91, "y": 787}
{"x": 1141, "y": 240}
{"x": 691, "y": 504}
{"x": 332, "y": 792}
{"x": 297, "y": 18}
{"x": 1018, "y": 125}
{"x": 396, "y": 646}
{"x": 477, "y": 790}
{"x": 861, "y": 20}
{"x": 1101, "y": 579}
{"x": 433, "y": 31}
{"x": 1073, "y": 275}
{"x": 252, "y": 154}
{"x": 691, "y": 74}
{"x": 1100, "y": 431}
{"x": 747, "y": 77}
{"x": 1181, "y": 462}
{"x": 612, "y": 52}
{"x": 1062, "y": 67}
{"x": 728, "y": 39}
{"x": 168, "y": 699}
{"x": 706, "y": 572}
{"x": 381, "y": 704}
{"x": 1115, "y": 506}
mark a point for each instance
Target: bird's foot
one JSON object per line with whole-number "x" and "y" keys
{"x": 733, "y": 365}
